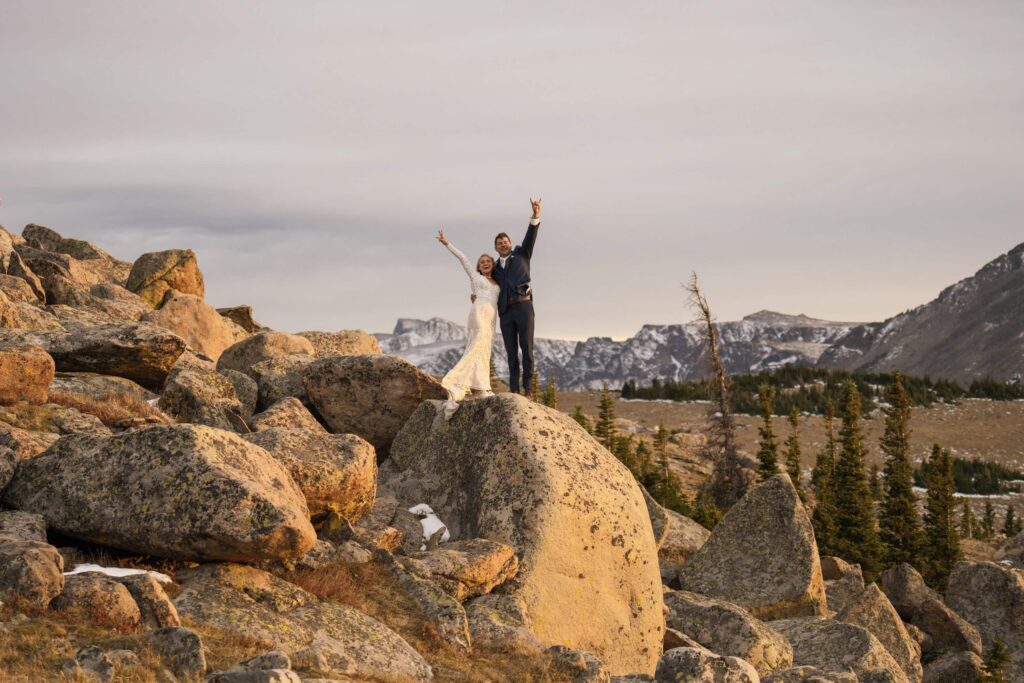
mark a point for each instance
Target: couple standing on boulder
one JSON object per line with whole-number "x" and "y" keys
{"x": 500, "y": 288}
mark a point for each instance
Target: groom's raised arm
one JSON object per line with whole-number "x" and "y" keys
{"x": 531, "y": 232}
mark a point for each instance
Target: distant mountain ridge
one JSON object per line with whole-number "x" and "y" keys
{"x": 761, "y": 340}
{"x": 972, "y": 329}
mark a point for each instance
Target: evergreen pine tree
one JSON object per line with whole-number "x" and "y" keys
{"x": 550, "y": 398}
{"x": 875, "y": 482}
{"x": 535, "y": 387}
{"x": 856, "y": 539}
{"x": 604, "y": 428}
{"x": 1011, "y": 526}
{"x": 581, "y": 419}
{"x": 988, "y": 521}
{"x": 792, "y": 455}
{"x": 898, "y": 522}
{"x": 642, "y": 455}
{"x": 996, "y": 658}
{"x": 622, "y": 448}
{"x": 942, "y": 544}
{"x": 823, "y": 517}
{"x": 767, "y": 452}
{"x": 967, "y": 521}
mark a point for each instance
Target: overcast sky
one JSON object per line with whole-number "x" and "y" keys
{"x": 846, "y": 160}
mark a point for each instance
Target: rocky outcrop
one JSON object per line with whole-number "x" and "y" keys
{"x": 181, "y": 491}
{"x": 107, "y": 300}
{"x": 343, "y": 343}
{"x": 13, "y": 265}
{"x": 371, "y": 396}
{"x": 465, "y": 569}
{"x": 322, "y": 638}
{"x": 140, "y": 352}
{"x": 31, "y": 570}
{"x": 45, "y": 239}
{"x": 955, "y": 667}
{"x": 836, "y": 646}
{"x": 198, "y": 323}
{"x": 288, "y": 413}
{"x": 18, "y": 290}
{"x": 203, "y": 397}
{"x": 682, "y": 538}
{"x": 155, "y": 274}
{"x": 509, "y": 470}
{"x": 334, "y": 471}
{"x": 261, "y": 346}
{"x": 728, "y": 630}
{"x": 96, "y": 386}
{"x": 241, "y": 316}
{"x": 700, "y": 666}
{"x": 25, "y": 373}
{"x": 778, "y": 574}
{"x": 17, "y": 315}
{"x": 991, "y": 597}
{"x": 921, "y": 606}
{"x": 105, "y": 600}
{"x": 873, "y": 611}
{"x": 278, "y": 378}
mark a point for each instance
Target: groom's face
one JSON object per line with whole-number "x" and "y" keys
{"x": 503, "y": 245}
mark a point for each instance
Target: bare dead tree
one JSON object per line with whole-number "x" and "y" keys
{"x": 728, "y": 481}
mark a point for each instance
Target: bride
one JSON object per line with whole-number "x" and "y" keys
{"x": 473, "y": 371}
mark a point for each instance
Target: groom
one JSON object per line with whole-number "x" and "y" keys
{"x": 515, "y": 302}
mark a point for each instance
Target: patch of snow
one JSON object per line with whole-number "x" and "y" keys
{"x": 431, "y": 524}
{"x": 116, "y": 572}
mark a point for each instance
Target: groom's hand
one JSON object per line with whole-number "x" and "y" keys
{"x": 536, "y": 207}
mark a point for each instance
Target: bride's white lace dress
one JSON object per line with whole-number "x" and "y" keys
{"x": 473, "y": 371}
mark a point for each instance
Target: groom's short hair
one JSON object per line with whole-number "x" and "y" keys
{"x": 500, "y": 235}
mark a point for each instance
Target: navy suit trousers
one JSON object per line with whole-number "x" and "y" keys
{"x": 517, "y": 332}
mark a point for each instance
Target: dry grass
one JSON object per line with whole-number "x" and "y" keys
{"x": 372, "y": 589}
{"x": 109, "y": 408}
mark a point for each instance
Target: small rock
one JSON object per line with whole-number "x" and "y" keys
{"x": 106, "y": 601}
{"x": 700, "y": 666}
{"x": 181, "y": 651}
{"x": 577, "y": 666}
{"x": 343, "y": 343}
{"x": 155, "y": 274}
{"x": 261, "y": 346}
{"x": 466, "y": 569}
{"x": 288, "y": 413}
{"x": 955, "y": 667}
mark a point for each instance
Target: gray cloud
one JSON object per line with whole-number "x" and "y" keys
{"x": 844, "y": 161}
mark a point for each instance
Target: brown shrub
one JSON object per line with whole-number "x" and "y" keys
{"x": 109, "y": 408}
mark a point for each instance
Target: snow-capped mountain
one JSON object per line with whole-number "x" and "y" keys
{"x": 973, "y": 329}
{"x": 759, "y": 341}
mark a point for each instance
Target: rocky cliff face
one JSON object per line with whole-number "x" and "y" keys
{"x": 973, "y": 329}
{"x": 762, "y": 340}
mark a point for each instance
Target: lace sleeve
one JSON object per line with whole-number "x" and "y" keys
{"x": 470, "y": 271}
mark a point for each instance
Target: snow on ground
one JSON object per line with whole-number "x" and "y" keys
{"x": 116, "y": 572}
{"x": 431, "y": 523}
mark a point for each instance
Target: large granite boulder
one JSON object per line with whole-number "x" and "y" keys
{"x": 465, "y": 569}
{"x": 343, "y": 343}
{"x": 261, "y": 346}
{"x": 726, "y": 629}
{"x": 510, "y": 470}
{"x": 92, "y": 385}
{"x": 13, "y": 265}
{"x": 873, "y": 611}
{"x": 992, "y": 598}
{"x": 955, "y": 667}
{"x": 280, "y": 377}
{"x": 103, "y": 599}
{"x": 198, "y": 323}
{"x": 682, "y": 538}
{"x": 837, "y": 646}
{"x": 31, "y": 570}
{"x": 845, "y": 590}
{"x": 155, "y": 274}
{"x": 25, "y": 373}
{"x": 17, "y": 315}
{"x": 45, "y": 239}
{"x": 288, "y": 413}
{"x": 323, "y": 638}
{"x": 762, "y": 556}
{"x": 921, "y": 606}
{"x": 180, "y": 491}
{"x": 111, "y": 301}
{"x": 371, "y": 396}
{"x": 45, "y": 264}
{"x": 202, "y": 397}
{"x": 17, "y": 289}
{"x": 140, "y": 352}
{"x": 690, "y": 665}
{"x": 335, "y": 471}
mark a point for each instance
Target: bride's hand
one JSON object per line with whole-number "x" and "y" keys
{"x": 441, "y": 238}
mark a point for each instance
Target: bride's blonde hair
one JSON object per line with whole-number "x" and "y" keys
{"x": 484, "y": 256}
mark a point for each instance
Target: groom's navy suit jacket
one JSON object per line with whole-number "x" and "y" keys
{"x": 514, "y": 278}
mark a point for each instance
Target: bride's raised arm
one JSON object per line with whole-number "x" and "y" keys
{"x": 470, "y": 271}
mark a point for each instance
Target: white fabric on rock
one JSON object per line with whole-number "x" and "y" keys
{"x": 473, "y": 371}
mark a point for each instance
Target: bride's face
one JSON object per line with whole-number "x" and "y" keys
{"x": 484, "y": 265}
